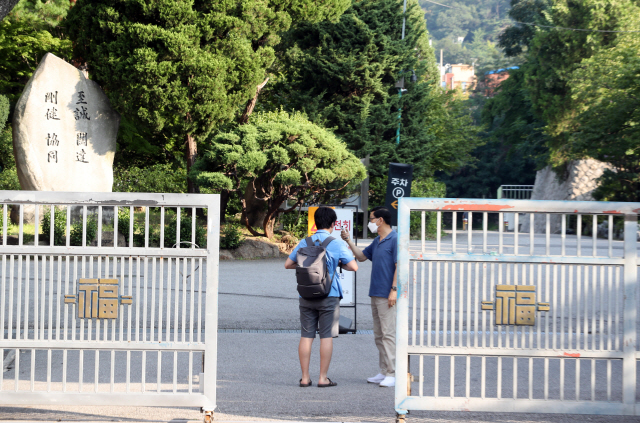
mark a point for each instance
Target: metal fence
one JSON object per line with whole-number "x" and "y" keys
{"x": 515, "y": 192}
{"x": 116, "y": 305}
{"x": 529, "y": 322}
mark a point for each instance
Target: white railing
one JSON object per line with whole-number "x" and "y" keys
{"x": 509, "y": 321}
{"x": 114, "y": 306}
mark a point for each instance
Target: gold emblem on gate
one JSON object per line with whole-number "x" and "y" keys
{"x": 98, "y": 299}
{"x": 515, "y": 305}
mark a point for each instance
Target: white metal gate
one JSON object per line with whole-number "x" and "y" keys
{"x": 112, "y": 307}
{"x": 542, "y": 319}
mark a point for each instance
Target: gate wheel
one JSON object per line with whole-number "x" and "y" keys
{"x": 400, "y": 418}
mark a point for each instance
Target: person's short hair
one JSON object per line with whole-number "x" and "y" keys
{"x": 383, "y": 213}
{"x": 325, "y": 218}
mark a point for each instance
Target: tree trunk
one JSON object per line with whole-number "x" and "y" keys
{"x": 224, "y": 200}
{"x": 268, "y": 223}
{"x": 254, "y": 209}
{"x": 192, "y": 153}
{"x": 252, "y": 104}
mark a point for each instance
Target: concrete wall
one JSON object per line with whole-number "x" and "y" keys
{"x": 578, "y": 186}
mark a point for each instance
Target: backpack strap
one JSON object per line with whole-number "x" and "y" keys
{"x": 327, "y": 240}
{"x": 309, "y": 241}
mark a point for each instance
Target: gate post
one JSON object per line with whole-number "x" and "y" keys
{"x": 402, "y": 304}
{"x": 211, "y": 328}
{"x": 630, "y": 305}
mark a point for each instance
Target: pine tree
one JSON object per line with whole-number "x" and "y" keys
{"x": 181, "y": 67}
{"x": 281, "y": 157}
{"x": 343, "y": 75}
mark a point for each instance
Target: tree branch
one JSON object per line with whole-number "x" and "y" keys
{"x": 252, "y": 103}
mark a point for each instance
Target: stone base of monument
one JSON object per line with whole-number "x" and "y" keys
{"x": 29, "y": 214}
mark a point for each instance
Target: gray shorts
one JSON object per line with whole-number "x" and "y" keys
{"x": 320, "y": 315}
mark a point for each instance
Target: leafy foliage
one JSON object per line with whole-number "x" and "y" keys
{"x": 75, "y": 232}
{"x": 343, "y": 74}
{"x": 4, "y": 111}
{"x": 231, "y": 236}
{"x": 581, "y": 85}
{"x": 606, "y": 125}
{"x": 26, "y": 35}
{"x": 281, "y": 157}
{"x": 478, "y": 22}
{"x": 154, "y": 178}
{"x": 426, "y": 188}
{"x": 124, "y": 227}
{"x": 297, "y": 223}
{"x": 171, "y": 231}
{"x": 8, "y": 174}
{"x": 59, "y": 227}
{"x": 179, "y": 68}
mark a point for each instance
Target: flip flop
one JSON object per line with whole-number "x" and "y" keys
{"x": 327, "y": 385}
{"x": 305, "y": 385}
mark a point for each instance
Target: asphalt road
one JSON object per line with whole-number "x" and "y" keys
{"x": 258, "y": 372}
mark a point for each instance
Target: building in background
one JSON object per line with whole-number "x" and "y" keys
{"x": 457, "y": 76}
{"x": 492, "y": 80}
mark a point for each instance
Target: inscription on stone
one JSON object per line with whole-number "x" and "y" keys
{"x": 55, "y": 140}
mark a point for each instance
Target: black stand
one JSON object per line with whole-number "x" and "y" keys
{"x": 345, "y": 323}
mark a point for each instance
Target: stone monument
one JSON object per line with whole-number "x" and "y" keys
{"x": 64, "y": 131}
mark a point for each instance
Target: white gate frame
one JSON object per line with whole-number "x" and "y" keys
{"x": 627, "y": 352}
{"x": 14, "y": 337}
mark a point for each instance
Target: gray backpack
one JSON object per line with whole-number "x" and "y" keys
{"x": 314, "y": 281}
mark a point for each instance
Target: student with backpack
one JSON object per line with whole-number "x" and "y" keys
{"x": 316, "y": 260}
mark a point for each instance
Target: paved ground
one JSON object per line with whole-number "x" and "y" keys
{"x": 258, "y": 372}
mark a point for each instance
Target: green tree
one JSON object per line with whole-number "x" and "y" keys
{"x": 29, "y": 32}
{"x": 478, "y": 23}
{"x": 281, "y": 157}
{"x": 8, "y": 175}
{"x": 555, "y": 54}
{"x": 606, "y": 125}
{"x": 343, "y": 74}
{"x": 181, "y": 67}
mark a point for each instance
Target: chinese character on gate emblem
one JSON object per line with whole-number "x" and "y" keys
{"x": 52, "y": 156}
{"x": 98, "y": 299}
{"x": 515, "y": 305}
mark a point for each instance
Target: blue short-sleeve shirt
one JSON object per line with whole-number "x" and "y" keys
{"x": 337, "y": 250}
{"x": 384, "y": 256}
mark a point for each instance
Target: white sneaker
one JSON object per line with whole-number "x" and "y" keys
{"x": 388, "y": 382}
{"x": 377, "y": 378}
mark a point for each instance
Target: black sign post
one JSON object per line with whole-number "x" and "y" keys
{"x": 398, "y": 186}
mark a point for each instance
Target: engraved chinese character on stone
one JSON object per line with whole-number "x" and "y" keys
{"x": 52, "y": 157}
{"x": 81, "y": 156}
{"x": 81, "y": 114}
{"x": 51, "y": 97}
{"x": 81, "y": 138}
{"x": 52, "y": 114}
{"x": 81, "y": 98}
{"x": 52, "y": 139}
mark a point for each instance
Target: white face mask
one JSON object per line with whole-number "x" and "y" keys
{"x": 373, "y": 228}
